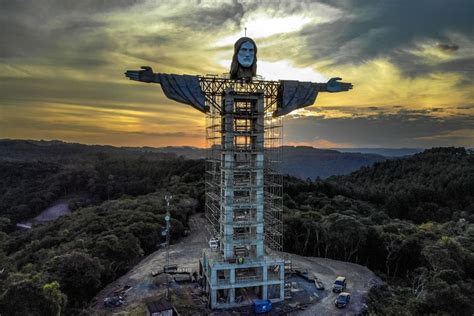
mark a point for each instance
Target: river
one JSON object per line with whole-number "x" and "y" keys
{"x": 58, "y": 209}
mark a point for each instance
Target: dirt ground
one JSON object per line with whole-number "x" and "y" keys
{"x": 188, "y": 299}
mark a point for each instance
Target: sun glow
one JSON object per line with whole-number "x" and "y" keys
{"x": 266, "y": 26}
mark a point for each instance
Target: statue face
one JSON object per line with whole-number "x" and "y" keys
{"x": 246, "y": 54}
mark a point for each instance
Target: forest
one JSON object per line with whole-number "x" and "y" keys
{"x": 410, "y": 220}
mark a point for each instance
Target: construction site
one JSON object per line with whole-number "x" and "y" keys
{"x": 238, "y": 259}
{"x": 147, "y": 283}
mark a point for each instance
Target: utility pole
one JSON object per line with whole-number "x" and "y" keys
{"x": 168, "y": 198}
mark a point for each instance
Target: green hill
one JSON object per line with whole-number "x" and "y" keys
{"x": 410, "y": 220}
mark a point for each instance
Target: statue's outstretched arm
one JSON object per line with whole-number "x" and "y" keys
{"x": 297, "y": 95}
{"x": 333, "y": 85}
{"x": 181, "y": 88}
{"x": 144, "y": 75}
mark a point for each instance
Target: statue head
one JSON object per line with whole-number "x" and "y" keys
{"x": 244, "y": 61}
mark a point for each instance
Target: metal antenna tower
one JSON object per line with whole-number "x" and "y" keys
{"x": 168, "y": 198}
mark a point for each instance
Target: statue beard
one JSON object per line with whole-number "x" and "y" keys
{"x": 243, "y": 73}
{"x": 239, "y": 72}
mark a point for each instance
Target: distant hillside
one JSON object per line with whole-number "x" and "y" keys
{"x": 299, "y": 161}
{"x": 302, "y": 162}
{"x": 185, "y": 151}
{"x": 386, "y": 152}
{"x": 436, "y": 184}
{"x": 308, "y": 162}
{"x": 32, "y": 150}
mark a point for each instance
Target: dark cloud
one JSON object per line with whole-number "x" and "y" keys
{"x": 369, "y": 112}
{"x": 45, "y": 8}
{"x": 447, "y": 47}
{"x": 89, "y": 97}
{"x": 466, "y": 107}
{"x": 413, "y": 65}
{"x": 164, "y": 134}
{"x": 205, "y": 18}
{"x": 405, "y": 128}
{"x": 40, "y": 125}
{"x": 389, "y": 29}
{"x": 44, "y": 28}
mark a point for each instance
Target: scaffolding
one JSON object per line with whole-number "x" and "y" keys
{"x": 215, "y": 89}
{"x": 243, "y": 192}
{"x": 273, "y": 182}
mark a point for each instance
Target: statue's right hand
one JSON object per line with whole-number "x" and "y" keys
{"x": 145, "y": 75}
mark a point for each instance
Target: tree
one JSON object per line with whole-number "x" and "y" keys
{"x": 78, "y": 273}
{"x": 393, "y": 245}
{"x": 345, "y": 234}
{"x": 445, "y": 254}
{"x": 31, "y": 295}
{"x": 53, "y": 294}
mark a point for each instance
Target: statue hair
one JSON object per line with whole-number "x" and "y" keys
{"x": 236, "y": 69}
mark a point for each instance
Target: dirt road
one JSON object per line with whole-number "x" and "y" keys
{"x": 359, "y": 281}
{"x": 186, "y": 254}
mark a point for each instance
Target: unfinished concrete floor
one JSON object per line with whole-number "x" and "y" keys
{"x": 188, "y": 299}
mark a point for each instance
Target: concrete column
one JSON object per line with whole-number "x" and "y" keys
{"x": 264, "y": 278}
{"x": 232, "y": 281}
{"x": 213, "y": 298}
{"x": 228, "y": 157}
{"x": 232, "y": 275}
{"x": 282, "y": 281}
{"x": 260, "y": 205}
{"x": 213, "y": 283}
{"x": 213, "y": 279}
{"x": 232, "y": 296}
{"x": 259, "y": 177}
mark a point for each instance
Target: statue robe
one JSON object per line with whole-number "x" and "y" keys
{"x": 184, "y": 89}
{"x": 187, "y": 89}
{"x": 296, "y": 95}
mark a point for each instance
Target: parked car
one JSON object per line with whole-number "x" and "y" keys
{"x": 342, "y": 300}
{"x": 339, "y": 285}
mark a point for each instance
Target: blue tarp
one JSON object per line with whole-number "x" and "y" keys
{"x": 262, "y": 306}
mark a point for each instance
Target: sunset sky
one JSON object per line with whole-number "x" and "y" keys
{"x": 411, "y": 63}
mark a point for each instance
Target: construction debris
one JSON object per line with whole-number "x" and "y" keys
{"x": 114, "y": 301}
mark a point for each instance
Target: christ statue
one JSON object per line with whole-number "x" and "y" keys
{"x": 188, "y": 89}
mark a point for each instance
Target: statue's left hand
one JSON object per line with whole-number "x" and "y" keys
{"x": 333, "y": 85}
{"x": 145, "y": 75}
